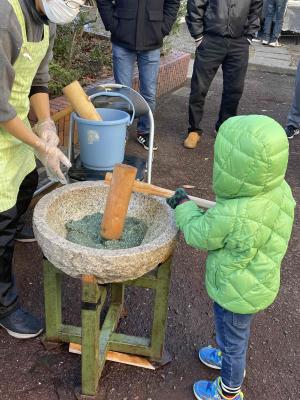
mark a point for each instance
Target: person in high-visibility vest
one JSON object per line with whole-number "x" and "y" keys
{"x": 26, "y": 39}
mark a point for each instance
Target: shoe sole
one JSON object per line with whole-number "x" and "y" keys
{"x": 197, "y": 397}
{"x": 22, "y": 335}
{"x": 213, "y": 366}
{"x": 291, "y": 137}
{"x": 191, "y": 146}
{"x": 146, "y": 147}
{"x": 31, "y": 240}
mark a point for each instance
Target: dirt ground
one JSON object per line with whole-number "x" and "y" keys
{"x": 29, "y": 372}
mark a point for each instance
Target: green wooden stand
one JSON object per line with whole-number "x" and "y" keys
{"x": 96, "y": 343}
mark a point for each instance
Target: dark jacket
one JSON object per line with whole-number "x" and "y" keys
{"x": 138, "y": 24}
{"x": 227, "y": 18}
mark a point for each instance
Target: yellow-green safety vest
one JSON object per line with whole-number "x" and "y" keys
{"x": 16, "y": 158}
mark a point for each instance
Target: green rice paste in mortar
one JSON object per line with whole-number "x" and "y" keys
{"x": 86, "y": 232}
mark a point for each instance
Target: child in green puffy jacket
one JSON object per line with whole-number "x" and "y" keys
{"x": 246, "y": 234}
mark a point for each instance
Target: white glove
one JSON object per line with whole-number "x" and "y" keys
{"x": 51, "y": 157}
{"x": 46, "y": 130}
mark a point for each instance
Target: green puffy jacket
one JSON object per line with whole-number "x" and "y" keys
{"x": 247, "y": 232}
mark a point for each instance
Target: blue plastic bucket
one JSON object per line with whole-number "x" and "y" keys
{"x": 102, "y": 143}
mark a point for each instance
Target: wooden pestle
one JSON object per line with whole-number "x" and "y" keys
{"x": 117, "y": 202}
{"x": 147, "y": 188}
{"x": 80, "y": 102}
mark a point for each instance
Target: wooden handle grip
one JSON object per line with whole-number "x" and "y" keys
{"x": 80, "y": 102}
{"x": 117, "y": 201}
{"x": 147, "y": 188}
{"x": 62, "y": 113}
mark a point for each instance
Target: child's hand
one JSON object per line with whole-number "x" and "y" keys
{"x": 180, "y": 196}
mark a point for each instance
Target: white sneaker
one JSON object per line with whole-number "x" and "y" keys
{"x": 275, "y": 44}
{"x": 265, "y": 42}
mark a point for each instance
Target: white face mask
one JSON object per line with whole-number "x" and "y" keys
{"x": 59, "y": 12}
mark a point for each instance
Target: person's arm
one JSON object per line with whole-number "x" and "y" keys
{"x": 19, "y": 130}
{"x": 203, "y": 230}
{"x": 254, "y": 18}
{"x": 171, "y": 8}
{"x": 106, "y": 10}
{"x": 50, "y": 156}
{"x": 42, "y": 77}
{"x": 41, "y": 106}
{"x": 194, "y": 17}
{"x": 39, "y": 98}
{"x": 10, "y": 44}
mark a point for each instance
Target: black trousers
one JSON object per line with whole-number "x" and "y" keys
{"x": 233, "y": 55}
{"x": 9, "y": 223}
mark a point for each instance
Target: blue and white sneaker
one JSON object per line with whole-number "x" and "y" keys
{"x": 206, "y": 390}
{"x": 211, "y": 357}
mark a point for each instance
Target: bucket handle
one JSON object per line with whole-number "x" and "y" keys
{"x": 112, "y": 94}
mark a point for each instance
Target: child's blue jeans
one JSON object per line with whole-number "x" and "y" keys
{"x": 232, "y": 336}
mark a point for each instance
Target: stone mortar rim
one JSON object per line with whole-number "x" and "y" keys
{"x": 47, "y": 233}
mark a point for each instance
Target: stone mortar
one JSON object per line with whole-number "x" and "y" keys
{"x": 73, "y": 202}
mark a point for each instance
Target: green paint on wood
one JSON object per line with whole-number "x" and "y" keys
{"x": 96, "y": 342}
{"x": 52, "y": 293}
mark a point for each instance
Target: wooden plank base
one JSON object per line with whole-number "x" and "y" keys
{"x": 121, "y": 358}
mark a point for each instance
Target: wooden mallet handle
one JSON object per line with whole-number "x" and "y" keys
{"x": 117, "y": 201}
{"x": 80, "y": 102}
{"x": 147, "y": 188}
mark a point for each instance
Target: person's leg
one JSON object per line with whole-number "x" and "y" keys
{"x": 232, "y": 335}
{"x": 8, "y": 293}
{"x": 123, "y": 64}
{"x": 25, "y": 233}
{"x": 14, "y": 320}
{"x": 233, "y": 332}
{"x": 294, "y": 115}
{"x": 234, "y": 71}
{"x": 270, "y": 12}
{"x": 148, "y": 65}
{"x": 209, "y": 56}
{"x": 279, "y": 15}
{"x": 9, "y": 221}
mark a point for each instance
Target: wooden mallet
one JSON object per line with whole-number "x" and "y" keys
{"x": 147, "y": 188}
{"x": 80, "y": 102}
{"x": 117, "y": 202}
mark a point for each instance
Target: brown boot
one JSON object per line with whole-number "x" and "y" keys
{"x": 192, "y": 140}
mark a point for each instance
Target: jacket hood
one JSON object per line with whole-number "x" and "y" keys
{"x": 251, "y": 156}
